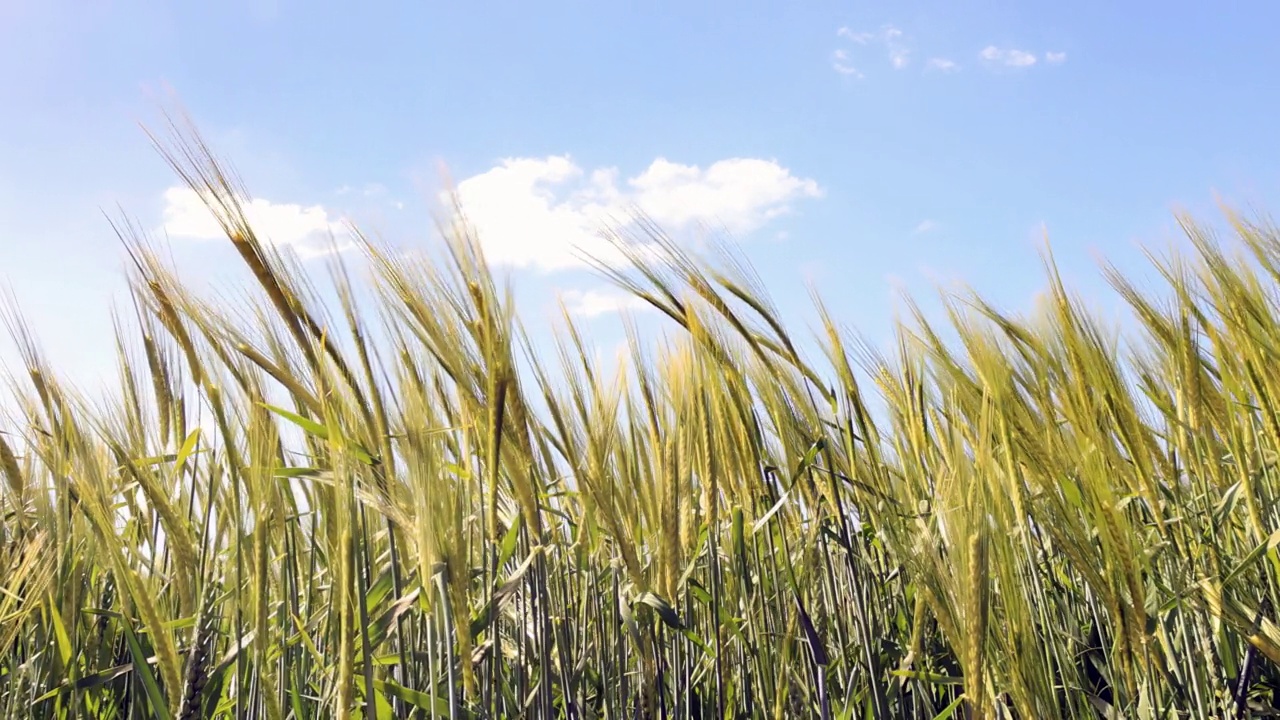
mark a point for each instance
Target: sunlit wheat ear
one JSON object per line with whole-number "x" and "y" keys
{"x": 13, "y": 476}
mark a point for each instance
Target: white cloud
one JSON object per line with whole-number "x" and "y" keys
{"x": 840, "y": 63}
{"x": 926, "y": 226}
{"x": 889, "y": 36}
{"x": 1008, "y": 57}
{"x": 547, "y": 212}
{"x": 899, "y": 53}
{"x": 899, "y": 57}
{"x": 1055, "y": 58}
{"x": 862, "y": 38}
{"x": 943, "y": 65}
{"x": 594, "y": 303}
{"x": 307, "y": 229}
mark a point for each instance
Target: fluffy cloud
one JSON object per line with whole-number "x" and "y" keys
{"x": 1055, "y": 58}
{"x": 943, "y": 65}
{"x": 548, "y": 212}
{"x": 889, "y": 37}
{"x": 862, "y": 38}
{"x": 594, "y": 303}
{"x": 308, "y": 230}
{"x": 840, "y": 63}
{"x": 899, "y": 53}
{"x": 1009, "y": 57}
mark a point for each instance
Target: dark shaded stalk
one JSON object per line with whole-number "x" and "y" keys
{"x": 1246, "y": 668}
{"x": 361, "y": 554}
{"x": 447, "y": 621}
{"x": 713, "y": 542}
{"x": 619, "y": 642}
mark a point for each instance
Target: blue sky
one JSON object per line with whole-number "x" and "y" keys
{"x": 860, "y": 146}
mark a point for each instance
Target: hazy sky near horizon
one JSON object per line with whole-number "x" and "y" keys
{"x": 861, "y": 147}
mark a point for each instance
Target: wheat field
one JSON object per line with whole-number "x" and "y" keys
{"x": 287, "y": 508}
